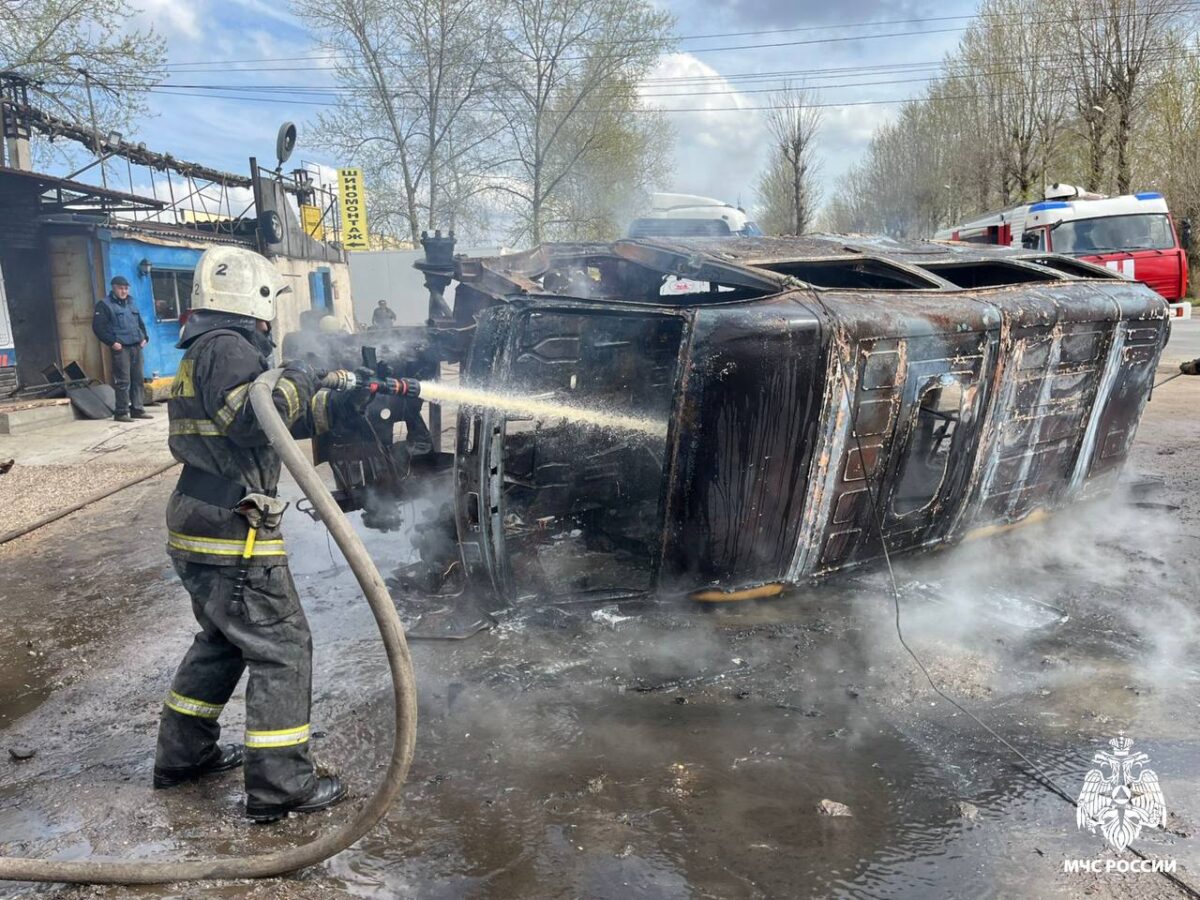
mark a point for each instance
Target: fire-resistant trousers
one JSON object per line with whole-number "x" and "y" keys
{"x": 267, "y": 634}
{"x": 129, "y": 379}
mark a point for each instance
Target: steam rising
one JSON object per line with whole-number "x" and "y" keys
{"x": 1092, "y": 593}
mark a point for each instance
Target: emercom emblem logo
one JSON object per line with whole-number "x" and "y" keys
{"x": 1121, "y": 796}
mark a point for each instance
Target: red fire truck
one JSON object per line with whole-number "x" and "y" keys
{"x": 1133, "y": 234}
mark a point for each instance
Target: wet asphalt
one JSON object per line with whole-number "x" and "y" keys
{"x": 650, "y": 749}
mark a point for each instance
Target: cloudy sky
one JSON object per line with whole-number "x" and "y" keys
{"x": 857, "y": 54}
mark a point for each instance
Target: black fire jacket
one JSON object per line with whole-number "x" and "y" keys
{"x": 213, "y": 428}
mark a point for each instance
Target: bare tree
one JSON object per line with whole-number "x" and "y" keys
{"x": 787, "y": 186}
{"x": 607, "y": 188}
{"x": 1007, "y": 59}
{"x": 1114, "y": 45}
{"x": 1164, "y": 156}
{"x": 1035, "y": 92}
{"x": 413, "y": 73}
{"x": 1136, "y": 31}
{"x": 1086, "y": 71}
{"x": 564, "y": 70}
{"x": 54, "y": 42}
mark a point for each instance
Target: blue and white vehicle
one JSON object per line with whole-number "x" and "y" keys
{"x": 687, "y": 215}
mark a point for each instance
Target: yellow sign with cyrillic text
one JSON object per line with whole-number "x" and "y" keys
{"x": 352, "y": 203}
{"x": 312, "y": 219}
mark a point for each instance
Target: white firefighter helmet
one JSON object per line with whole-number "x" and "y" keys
{"x": 237, "y": 280}
{"x": 330, "y": 325}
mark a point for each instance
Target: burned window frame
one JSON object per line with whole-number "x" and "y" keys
{"x": 923, "y": 281}
{"x": 1070, "y": 266}
{"x": 1034, "y": 274}
{"x": 953, "y": 422}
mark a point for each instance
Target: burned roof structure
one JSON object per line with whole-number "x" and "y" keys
{"x": 817, "y": 397}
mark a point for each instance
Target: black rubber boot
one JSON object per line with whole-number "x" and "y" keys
{"x": 330, "y": 792}
{"x": 222, "y": 760}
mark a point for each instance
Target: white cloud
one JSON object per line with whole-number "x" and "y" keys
{"x": 270, "y": 10}
{"x": 845, "y": 133}
{"x": 719, "y": 139}
{"x": 172, "y": 18}
{"x": 210, "y": 201}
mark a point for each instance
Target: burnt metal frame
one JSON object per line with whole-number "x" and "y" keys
{"x": 1001, "y": 318}
{"x": 65, "y": 194}
{"x": 790, "y": 404}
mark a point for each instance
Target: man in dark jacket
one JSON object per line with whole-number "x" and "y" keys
{"x": 229, "y": 553}
{"x": 118, "y": 325}
{"x": 383, "y": 317}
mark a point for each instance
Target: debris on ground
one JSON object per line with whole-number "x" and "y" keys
{"x": 609, "y": 616}
{"x": 786, "y": 701}
{"x": 5, "y": 465}
{"x": 1178, "y": 826}
{"x": 833, "y": 808}
{"x": 20, "y": 753}
{"x": 36, "y": 491}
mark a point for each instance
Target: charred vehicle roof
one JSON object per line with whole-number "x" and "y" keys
{"x": 816, "y": 395}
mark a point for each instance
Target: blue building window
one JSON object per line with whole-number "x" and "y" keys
{"x": 172, "y": 294}
{"x": 320, "y": 289}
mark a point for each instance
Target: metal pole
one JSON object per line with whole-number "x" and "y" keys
{"x": 257, "y": 190}
{"x": 129, "y": 169}
{"x": 87, "y": 82}
{"x": 171, "y": 188}
{"x": 191, "y": 194}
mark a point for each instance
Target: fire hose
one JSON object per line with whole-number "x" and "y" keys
{"x": 97, "y": 871}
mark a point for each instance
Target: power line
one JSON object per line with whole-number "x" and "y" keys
{"x": 249, "y": 94}
{"x": 331, "y": 55}
{"x": 683, "y": 37}
{"x": 1182, "y": 6}
{"x": 1064, "y": 89}
{"x": 337, "y": 93}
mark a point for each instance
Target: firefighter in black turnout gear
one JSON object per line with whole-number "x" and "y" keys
{"x": 224, "y": 540}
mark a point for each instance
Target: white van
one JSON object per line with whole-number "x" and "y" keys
{"x": 686, "y": 215}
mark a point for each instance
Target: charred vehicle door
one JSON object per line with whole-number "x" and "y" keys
{"x": 904, "y": 405}
{"x": 561, "y": 506}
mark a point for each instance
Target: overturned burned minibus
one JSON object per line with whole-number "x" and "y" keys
{"x": 816, "y": 397}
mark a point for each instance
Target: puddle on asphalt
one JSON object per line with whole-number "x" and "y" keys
{"x": 658, "y": 752}
{"x": 657, "y": 749}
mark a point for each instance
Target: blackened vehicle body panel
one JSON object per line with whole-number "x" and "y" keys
{"x": 817, "y": 396}
{"x": 962, "y": 388}
{"x": 557, "y": 505}
{"x": 902, "y": 414}
{"x": 745, "y": 422}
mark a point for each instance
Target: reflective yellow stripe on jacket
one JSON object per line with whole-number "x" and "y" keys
{"x": 235, "y": 400}
{"x": 201, "y": 427}
{"x": 291, "y": 397}
{"x": 190, "y": 706}
{"x": 319, "y": 406}
{"x": 221, "y": 546}
{"x": 265, "y": 740}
